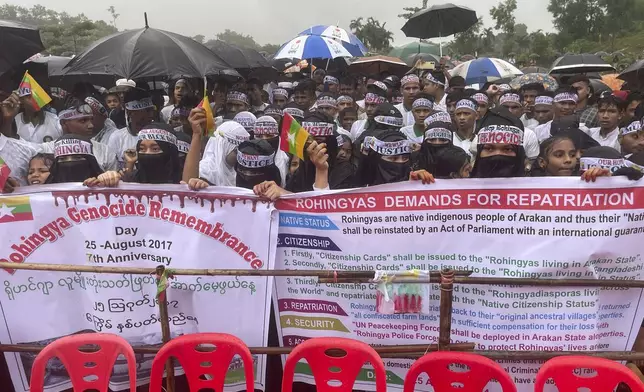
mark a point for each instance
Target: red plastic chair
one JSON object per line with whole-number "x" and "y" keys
{"x": 481, "y": 371}
{"x": 197, "y": 363}
{"x": 325, "y": 368}
{"x": 608, "y": 374}
{"x": 87, "y": 370}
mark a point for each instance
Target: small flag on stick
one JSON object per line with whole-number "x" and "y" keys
{"x": 29, "y": 87}
{"x": 205, "y": 104}
{"x": 293, "y": 137}
{"x": 5, "y": 172}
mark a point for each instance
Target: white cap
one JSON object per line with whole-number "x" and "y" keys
{"x": 126, "y": 83}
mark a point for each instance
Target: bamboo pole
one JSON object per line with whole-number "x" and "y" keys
{"x": 445, "y": 313}
{"x": 164, "y": 320}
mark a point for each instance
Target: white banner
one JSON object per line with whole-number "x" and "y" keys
{"x": 133, "y": 226}
{"x": 521, "y": 228}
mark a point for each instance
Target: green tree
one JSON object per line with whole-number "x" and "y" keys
{"x": 235, "y": 38}
{"x": 270, "y": 49}
{"x": 577, "y": 19}
{"x": 410, "y": 11}
{"x": 373, "y": 34}
{"x": 503, "y": 16}
{"x": 113, "y": 14}
{"x": 467, "y": 42}
{"x": 199, "y": 38}
{"x": 61, "y": 33}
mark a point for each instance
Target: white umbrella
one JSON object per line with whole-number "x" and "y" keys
{"x": 312, "y": 47}
{"x": 483, "y": 70}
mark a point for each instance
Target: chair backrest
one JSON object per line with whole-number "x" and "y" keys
{"x": 608, "y": 374}
{"x": 334, "y": 373}
{"x": 444, "y": 378}
{"x": 204, "y": 366}
{"x": 87, "y": 370}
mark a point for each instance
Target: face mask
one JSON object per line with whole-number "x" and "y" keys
{"x": 154, "y": 168}
{"x": 72, "y": 171}
{"x": 497, "y": 166}
{"x": 390, "y": 172}
{"x": 274, "y": 142}
{"x": 248, "y": 182}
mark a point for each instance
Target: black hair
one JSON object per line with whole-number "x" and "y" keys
{"x": 546, "y": 94}
{"x": 578, "y": 78}
{"x": 546, "y": 146}
{"x": 458, "y": 81}
{"x": 373, "y": 76}
{"x": 566, "y": 89}
{"x": 346, "y": 111}
{"x": 538, "y": 87}
{"x": 634, "y": 96}
{"x": 48, "y": 159}
{"x": 348, "y": 80}
{"x": 470, "y": 91}
{"x": 455, "y": 96}
{"x": 611, "y": 100}
{"x": 306, "y": 86}
{"x": 424, "y": 96}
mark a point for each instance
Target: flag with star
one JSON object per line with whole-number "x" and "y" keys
{"x": 15, "y": 209}
{"x": 5, "y": 172}
{"x": 293, "y": 136}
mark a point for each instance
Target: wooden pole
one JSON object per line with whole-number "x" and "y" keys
{"x": 445, "y": 315}
{"x": 165, "y": 325}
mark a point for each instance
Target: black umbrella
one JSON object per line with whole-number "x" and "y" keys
{"x": 148, "y": 53}
{"x": 580, "y": 64}
{"x": 440, "y": 21}
{"x": 534, "y": 69}
{"x": 634, "y": 74}
{"x": 18, "y": 42}
{"x": 248, "y": 62}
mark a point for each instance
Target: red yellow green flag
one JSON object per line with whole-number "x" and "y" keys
{"x": 210, "y": 120}
{"x": 293, "y": 136}
{"x": 5, "y": 172}
{"x": 15, "y": 209}
{"x": 29, "y": 86}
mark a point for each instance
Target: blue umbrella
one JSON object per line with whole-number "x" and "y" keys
{"x": 349, "y": 40}
{"x": 312, "y": 47}
{"x": 485, "y": 69}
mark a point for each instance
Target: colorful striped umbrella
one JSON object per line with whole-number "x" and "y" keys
{"x": 485, "y": 69}
{"x": 349, "y": 40}
{"x": 312, "y": 47}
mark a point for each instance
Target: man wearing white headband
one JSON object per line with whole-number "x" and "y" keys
{"x": 565, "y": 102}
{"x": 435, "y": 86}
{"x": 543, "y": 109}
{"x": 409, "y": 87}
{"x": 372, "y": 100}
{"x": 483, "y": 102}
{"x": 103, "y": 126}
{"x": 465, "y": 116}
{"x": 139, "y": 112}
{"x": 529, "y": 93}
{"x": 421, "y": 109}
{"x": 512, "y": 101}
{"x": 631, "y": 138}
{"x": 332, "y": 83}
{"x": 280, "y": 98}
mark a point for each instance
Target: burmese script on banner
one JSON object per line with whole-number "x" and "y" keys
{"x": 133, "y": 226}
{"x": 539, "y": 229}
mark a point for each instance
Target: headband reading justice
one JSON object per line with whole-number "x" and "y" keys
{"x": 158, "y": 135}
{"x": 374, "y": 98}
{"x": 400, "y": 147}
{"x": 500, "y": 134}
{"x": 183, "y": 147}
{"x": 65, "y": 147}
{"x": 318, "y": 129}
{"x": 254, "y": 161}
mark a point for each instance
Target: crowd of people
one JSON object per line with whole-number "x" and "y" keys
{"x": 365, "y": 131}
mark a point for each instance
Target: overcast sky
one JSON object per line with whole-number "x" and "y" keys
{"x": 272, "y": 21}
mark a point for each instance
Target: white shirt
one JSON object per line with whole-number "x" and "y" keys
{"x": 344, "y": 132}
{"x": 357, "y": 128}
{"x": 108, "y": 129}
{"x": 105, "y": 157}
{"x": 259, "y": 108}
{"x": 543, "y": 131}
{"x": 465, "y": 144}
{"x": 529, "y": 122}
{"x": 610, "y": 140}
{"x": 49, "y": 130}
{"x": 442, "y": 105}
{"x": 120, "y": 141}
{"x": 166, "y": 113}
{"x": 408, "y": 116}
{"x": 16, "y": 154}
{"x": 411, "y": 135}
